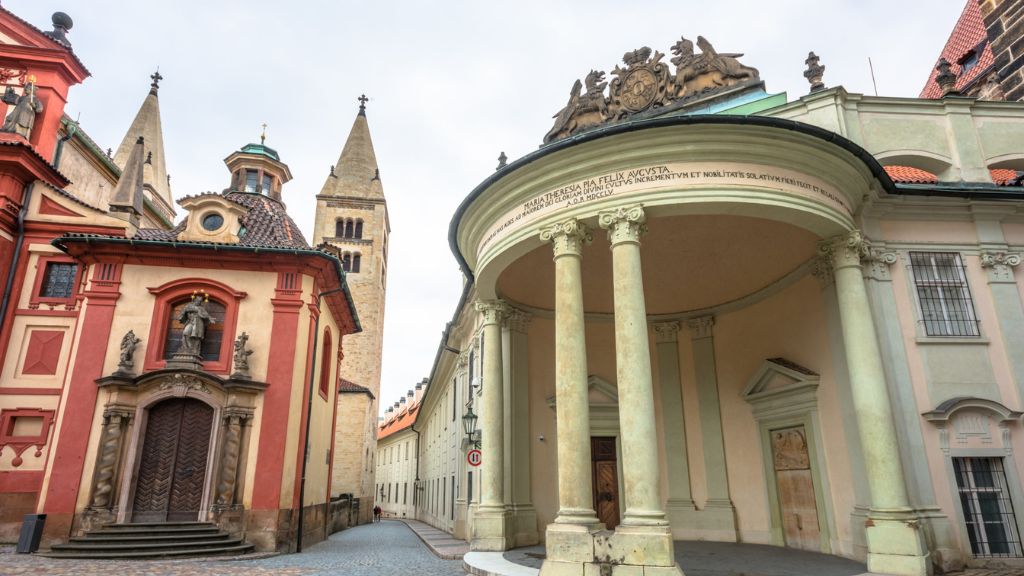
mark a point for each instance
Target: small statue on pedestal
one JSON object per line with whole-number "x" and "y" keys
{"x": 23, "y": 117}
{"x": 241, "y": 357}
{"x": 128, "y": 344}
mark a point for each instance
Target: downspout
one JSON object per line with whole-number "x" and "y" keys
{"x": 16, "y": 257}
{"x": 309, "y": 418}
{"x": 72, "y": 128}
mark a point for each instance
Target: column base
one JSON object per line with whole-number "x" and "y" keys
{"x": 524, "y": 525}
{"x": 715, "y": 522}
{"x": 896, "y": 545}
{"x": 492, "y": 530}
{"x": 628, "y": 551}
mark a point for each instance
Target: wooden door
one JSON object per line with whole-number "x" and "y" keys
{"x": 172, "y": 470}
{"x": 605, "y": 480}
{"x": 795, "y": 486}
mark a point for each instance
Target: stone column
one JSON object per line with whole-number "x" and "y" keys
{"x": 491, "y": 523}
{"x": 680, "y": 506}
{"x": 644, "y": 538}
{"x": 569, "y": 540}
{"x": 517, "y": 438}
{"x": 718, "y": 516}
{"x": 108, "y": 460}
{"x": 895, "y": 541}
{"x": 230, "y": 454}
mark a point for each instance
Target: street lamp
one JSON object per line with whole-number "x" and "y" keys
{"x": 469, "y": 426}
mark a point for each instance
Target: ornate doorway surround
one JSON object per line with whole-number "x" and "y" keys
{"x": 146, "y": 455}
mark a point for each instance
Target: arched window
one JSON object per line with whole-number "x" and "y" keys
{"x": 214, "y": 333}
{"x": 355, "y": 262}
{"x": 348, "y": 229}
{"x": 325, "y": 364}
{"x": 359, "y": 228}
{"x": 339, "y": 228}
{"x": 346, "y": 261}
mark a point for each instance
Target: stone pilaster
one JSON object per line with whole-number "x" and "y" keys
{"x": 103, "y": 497}
{"x": 491, "y": 530}
{"x": 680, "y": 507}
{"x": 234, "y": 420}
{"x": 895, "y": 541}
{"x": 717, "y": 516}
{"x": 517, "y": 429}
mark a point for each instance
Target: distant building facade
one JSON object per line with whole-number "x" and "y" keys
{"x": 728, "y": 316}
{"x": 397, "y": 457}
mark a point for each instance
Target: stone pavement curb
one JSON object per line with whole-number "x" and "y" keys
{"x": 494, "y": 564}
{"x": 442, "y": 544}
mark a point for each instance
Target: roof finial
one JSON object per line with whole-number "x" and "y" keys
{"x": 156, "y": 81}
{"x": 263, "y": 135}
{"x": 814, "y": 73}
{"x": 61, "y": 24}
{"x": 362, "y": 104}
{"x": 946, "y": 78}
{"x": 502, "y": 160}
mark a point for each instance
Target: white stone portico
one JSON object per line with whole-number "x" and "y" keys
{"x": 742, "y": 289}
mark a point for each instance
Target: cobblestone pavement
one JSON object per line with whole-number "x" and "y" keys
{"x": 379, "y": 549}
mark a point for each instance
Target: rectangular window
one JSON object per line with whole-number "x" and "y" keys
{"x": 405, "y": 493}
{"x": 58, "y": 280}
{"x": 946, "y": 305}
{"x": 469, "y": 487}
{"x": 266, "y": 184}
{"x": 988, "y": 511}
{"x": 455, "y": 399}
{"x": 452, "y": 501}
{"x": 252, "y": 177}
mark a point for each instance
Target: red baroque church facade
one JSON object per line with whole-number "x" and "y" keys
{"x": 153, "y": 372}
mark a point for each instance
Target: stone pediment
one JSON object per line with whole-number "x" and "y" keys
{"x": 779, "y": 385}
{"x": 599, "y": 391}
{"x": 646, "y": 86}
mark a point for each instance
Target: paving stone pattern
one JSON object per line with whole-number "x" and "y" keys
{"x": 379, "y": 549}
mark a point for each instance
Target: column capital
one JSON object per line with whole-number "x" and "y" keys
{"x": 666, "y": 331}
{"x": 494, "y": 311}
{"x": 121, "y": 411}
{"x": 462, "y": 361}
{"x": 518, "y": 320}
{"x": 999, "y": 265}
{"x": 822, "y": 271}
{"x": 700, "y": 327}
{"x": 845, "y": 250}
{"x": 624, "y": 224}
{"x": 568, "y": 237}
{"x": 878, "y": 261}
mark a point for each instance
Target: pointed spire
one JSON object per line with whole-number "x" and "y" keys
{"x": 127, "y": 195}
{"x": 356, "y": 172}
{"x": 147, "y": 126}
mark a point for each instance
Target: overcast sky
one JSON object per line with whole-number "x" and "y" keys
{"x": 451, "y": 84}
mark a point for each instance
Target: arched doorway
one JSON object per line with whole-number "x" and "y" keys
{"x": 170, "y": 483}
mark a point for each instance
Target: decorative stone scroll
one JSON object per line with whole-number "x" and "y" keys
{"x": 646, "y": 83}
{"x": 624, "y": 224}
{"x": 494, "y": 311}
{"x": 1000, "y": 265}
{"x": 568, "y": 236}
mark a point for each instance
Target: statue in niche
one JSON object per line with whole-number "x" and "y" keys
{"x": 23, "y": 117}
{"x": 128, "y": 344}
{"x": 242, "y": 356}
{"x": 195, "y": 318}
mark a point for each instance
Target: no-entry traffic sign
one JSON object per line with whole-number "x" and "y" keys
{"x": 474, "y": 457}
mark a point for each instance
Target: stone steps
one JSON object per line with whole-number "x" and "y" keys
{"x": 151, "y": 540}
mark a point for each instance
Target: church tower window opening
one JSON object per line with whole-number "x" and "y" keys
{"x": 359, "y": 229}
{"x": 251, "y": 179}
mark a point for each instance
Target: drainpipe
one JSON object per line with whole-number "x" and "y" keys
{"x": 16, "y": 257}
{"x": 72, "y": 127}
{"x": 309, "y": 417}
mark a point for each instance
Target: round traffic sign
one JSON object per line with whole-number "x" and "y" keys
{"x": 474, "y": 457}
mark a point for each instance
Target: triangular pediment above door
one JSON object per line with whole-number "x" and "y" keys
{"x": 600, "y": 392}
{"x": 780, "y": 383}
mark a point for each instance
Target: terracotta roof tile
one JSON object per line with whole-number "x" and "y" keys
{"x": 396, "y": 424}
{"x": 346, "y": 387}
{"x": 909, "y": 175}
{"x": 267, "y": 224}
{"x": 968, "y": 34}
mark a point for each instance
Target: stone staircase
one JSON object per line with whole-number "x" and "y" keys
{"x": 151, "y": 540}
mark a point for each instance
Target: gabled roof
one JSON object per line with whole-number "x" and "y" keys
{"x": 968, "y": 35}
{"x": 396, "y": 424}
{"x": 347, "y": 387}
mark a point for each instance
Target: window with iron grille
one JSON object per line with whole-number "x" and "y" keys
{"x": 988, "y": 511}
{"x": 943, "y": 294}
{"x": 58, "y": 280}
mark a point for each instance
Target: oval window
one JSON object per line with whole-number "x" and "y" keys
{"x": 213, "y": 222}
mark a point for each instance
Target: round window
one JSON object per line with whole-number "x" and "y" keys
{"x": 213, "y": 221}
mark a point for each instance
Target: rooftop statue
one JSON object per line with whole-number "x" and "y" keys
{"x": 26, "y": 106}
{"x": 646, "y": 84}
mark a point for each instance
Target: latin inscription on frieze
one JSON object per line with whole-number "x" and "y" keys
{"x": 681, "y": 176}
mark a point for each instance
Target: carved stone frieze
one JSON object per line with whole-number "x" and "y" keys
{"x": 666, "y": 332}
{"x": 701, "y": 327}
{"x": 182, "y": 384}
{"x": 624, "y": 224}
{"x": 1000, "y": 265}
{"x": 568, "y": 237}
{"x": 646, "y": 84}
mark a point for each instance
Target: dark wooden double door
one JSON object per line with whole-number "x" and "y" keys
{"x": 605, "y": 470}
{"x": 172, "y": 469}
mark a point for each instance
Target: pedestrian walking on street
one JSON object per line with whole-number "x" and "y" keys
{"x": 376, "y": 513}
